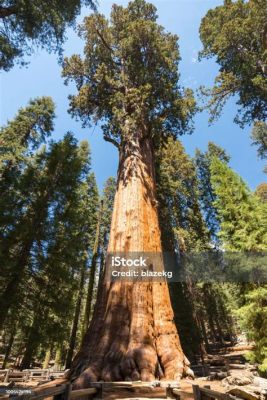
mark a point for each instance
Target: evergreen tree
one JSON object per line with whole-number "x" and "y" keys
{"x": 99, "y": 247}
{"x": 108, "y": 203}
{"x": 94, "y": 246}
{"x": 259, "y": 139}
{"x": 199, "y": 308}
{"x": 242, "y": 216}
{"x": 30, "y": 127}
{"x": 52, "y": 252}
{"x": 179, "y": 210}
{"x": 26, "y": 25}
{"x": 18, "y": 140}
{"x": 261, "y": 191}
{"x": 253, "y": 317}
{"x": 207, "y": 195}
{"x": 47, "y": 245}
{"x": 235, "y": 33}
{"x": 128, "y": 80}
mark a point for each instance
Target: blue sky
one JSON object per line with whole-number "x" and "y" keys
{"x": 43, "y": 77}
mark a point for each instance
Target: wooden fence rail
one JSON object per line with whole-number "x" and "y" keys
{"x": 10, "y": 375}
{"x": 206, "y": 393}
{"x": 61, "y": 389}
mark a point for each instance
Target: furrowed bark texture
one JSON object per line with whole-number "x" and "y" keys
{"x": 132, "y": 335}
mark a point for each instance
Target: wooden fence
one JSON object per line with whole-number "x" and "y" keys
{"x": 206, "y": 393}
{"x": 10, "y": 375}
{"x": 62, "y": 390}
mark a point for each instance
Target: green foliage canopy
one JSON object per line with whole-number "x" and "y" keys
{"x": 207, "y": 195}
{"x": 259, "y": 139}
{"x": 236, "y": 34}
{"x": 182, "y": 224}
{"x": 253, "y": 317}
{"x": 129, "y": 76}
{"x": 30, "y": 127}
{"x": 26, "y": 24}
{"x": 241, "y": 214}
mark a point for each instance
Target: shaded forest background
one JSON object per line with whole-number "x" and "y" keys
{"x": 55, "y": 222}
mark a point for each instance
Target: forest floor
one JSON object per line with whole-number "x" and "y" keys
{"x": 227, "y": 370}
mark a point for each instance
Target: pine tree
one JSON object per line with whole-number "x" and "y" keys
{"x": 242, "y": 216}
{"x": 261, "y": 191}
{"x": 253, "y": 317}
{"x": 108, "y": 203}
{"x": 54, "y": 232}
{"x": 207, "y": 195}
{"x": 18, "y": 139}
{"x": 199, "y": 308}
{"x": 18, "y": 182}
{"x": 26, "y": 25}
{"x": 259, "y": 139}
{"x": 57, "y": 254}
{"x": 235, "y": 33}
{"x": 99, "y": 246}
{"x": 177, "y": 189}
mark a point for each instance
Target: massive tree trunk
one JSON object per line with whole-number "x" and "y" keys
{"x": 132, "y": 334}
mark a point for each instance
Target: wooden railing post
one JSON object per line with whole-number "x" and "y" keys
{"x": 169, "y": 393}
{"x": 66, "y": 394}
{"x": 196, "y": 392}
{"x": 7, "y": 376}
{"x": 172, "y": 393}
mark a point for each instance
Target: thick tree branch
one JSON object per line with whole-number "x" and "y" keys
{"x": 113, "y": 141}
{"x": 7, "y": 11}
{"x": 104, "y": 41}
{"x": 108, "y": 47}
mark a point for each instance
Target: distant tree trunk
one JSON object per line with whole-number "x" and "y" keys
{"x": 211, "y": 308}
{"x": 58, "y": 359}
{"x": 47, "y": 359}
{"x": 198, "y": 326}
{"x": 75, "y": 320}
{"x": 9, "y": 346}
{"x": 10, "y": 293}
{"x": 89, "y": 297}
{"x": 219, "y": 331}
{"x": 204, "y": 332}
{"x": 31, "y": 345}
{"x": 132, "y": 334}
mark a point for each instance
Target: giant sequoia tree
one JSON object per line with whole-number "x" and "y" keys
{"x": 128, "y": 79}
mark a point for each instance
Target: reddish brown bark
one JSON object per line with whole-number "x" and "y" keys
{"x": 132, "y": 335}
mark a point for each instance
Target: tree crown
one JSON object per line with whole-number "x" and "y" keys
{"x": 129, "y": 76}
{"x": 236, "y": 34}
{"x": 26, "y": 24}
